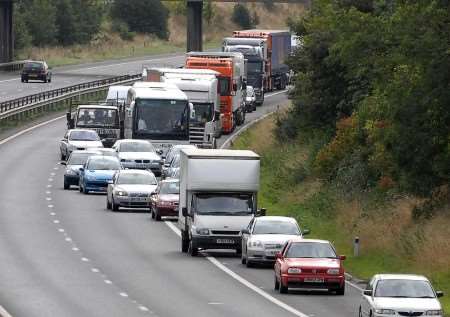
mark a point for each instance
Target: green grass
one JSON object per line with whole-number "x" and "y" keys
{"x": 314, "y": 203}
{"x": 80, "y": 54}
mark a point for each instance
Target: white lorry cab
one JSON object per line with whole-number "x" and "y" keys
{"x": 218, "y": 197}
{"x": 201, "y": 87}
{"x": 117, "y": 94}
{"x": 158, "y": 112}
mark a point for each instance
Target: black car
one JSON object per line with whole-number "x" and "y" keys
{"x": 36, "y": 70}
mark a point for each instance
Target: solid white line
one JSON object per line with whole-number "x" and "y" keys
{"x": 354, "y": 285}
{"x": 3, "y": 81}
{"x": 12, "y": 137}
{"x": 129, "y": 62}
{"x": 242, "y": 280}
{"x": 4, "y": 313}
{"x": 276, "y": 93}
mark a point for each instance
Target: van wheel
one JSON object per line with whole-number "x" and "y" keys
{"x": 108, "y": 204}
{"x": 184, "y": 242}
{"x": 114, "y": 207}
{"x": 283, "y": 289}
{"x": 157, "y": 216}
{"x": 277, "y": 284}
{"x": 193, "y": 250}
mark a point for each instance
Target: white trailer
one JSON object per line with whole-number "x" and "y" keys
{"x": 218, "y": 197}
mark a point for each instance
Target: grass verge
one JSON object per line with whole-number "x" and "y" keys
{"x": 391, "y": 241}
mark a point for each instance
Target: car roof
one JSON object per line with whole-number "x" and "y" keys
{"x": 170, "y": 180}
{"x": 90, "y": 151}
{"x": 135, "y": 171}
{"x": 103, "y": 157}
{"x": 276, "y": 218}
{"x": 132, "y": 141}
{"x": 104, "y": 149}
{"x": 81, "y": 130}
{"x": 401, "y": 277}
{"x": 301, "y": 240}
{"x": 81, "y": 107}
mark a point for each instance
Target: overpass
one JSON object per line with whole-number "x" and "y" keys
{"x": 194, "y": 24}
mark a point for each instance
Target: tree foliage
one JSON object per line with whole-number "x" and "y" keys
{"x": 143, "y": 16}
{"x": 242, "y": 17}
{"x": 384, "y": 67}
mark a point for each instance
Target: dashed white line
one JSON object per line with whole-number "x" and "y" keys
{"x": 123, "y": 294}
{"x": 84, "y": 259}
{"x": 61, "y": 230}
{"x": 108, "y": 282}
{"x": 75, "y": 249}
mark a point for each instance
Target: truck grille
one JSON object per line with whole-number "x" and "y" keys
{"x": 225, "y": 232}
{"x": 410, "y": 313}
{"x": 196, "y": 135}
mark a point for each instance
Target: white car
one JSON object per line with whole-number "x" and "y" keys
{"x": 250, "y": 99}
{"x": 266, "y": 236}
{"x": 131, "y": 189}
{"x": 79, "y": 139}
{"x": 400, "y": 295}
{"x": 138, "y": 154}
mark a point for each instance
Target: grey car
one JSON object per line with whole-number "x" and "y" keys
{"x": 75, "y": 161}
{"x": 266, "y": 236}
{"x": 78, "y": 139}
{"x": 131, "y": 189}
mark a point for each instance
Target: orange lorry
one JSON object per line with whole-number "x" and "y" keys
{"x": 232, "y": 83}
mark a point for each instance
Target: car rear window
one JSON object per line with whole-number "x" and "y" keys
{"x": 30, "y": 66}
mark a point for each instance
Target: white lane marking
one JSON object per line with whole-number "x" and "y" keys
{"x": 123, "y": 294}
{"x": 55, "y": 221}
{"x": 84, "y": 259}
{"x": 125, "y": 63}
{"x": 68, "y": 239}
{"x": 4, "y": 313}
{"x": 50, "y": 179}
{"x": 75, "y": 249}
{"x": 48, "y": 198}
{"x": 243, "y": 281}
{"x": 12, "y": 137}
{"x": 95, "y": 270}
{"x": 107, "y": 282}
{"x": 50, "y": 206}
{"x": 143, "y": 308}
{"x": 48, "y": 192}
{"x": 61, "y": 230}
{"x": 354, "y": 285}
{"x": 49, "y": 186}
{"x": 5, "y": 80}
{"x": 215, "y": 303}
{"x": 276, "y": 93}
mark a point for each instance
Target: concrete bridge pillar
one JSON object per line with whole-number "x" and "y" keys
{"x": 6, "y": 31}
{"x": 194, "y": 25}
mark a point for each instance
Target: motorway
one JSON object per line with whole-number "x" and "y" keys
{"x": 63, "y": 254}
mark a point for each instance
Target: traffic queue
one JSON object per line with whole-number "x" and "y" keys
{"x": 163, "y": 159}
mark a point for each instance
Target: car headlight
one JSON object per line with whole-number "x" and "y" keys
{"x": 434, "y": 312}
{"x": 121, "y": 193}
{"x": 333, "y": 271}
{"x": 164, "y": 203}
{"x": 255, "y": 244}
{"x": 294, "y": 270}
{"x": 70, "y": 171}
{"x": 202, "y": 231}
{"x": 385, "y": 311}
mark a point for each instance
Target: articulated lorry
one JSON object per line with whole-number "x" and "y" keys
{"x": 232, "y": 83}
{"x": 218, "y": 197}
{"x": 201, "y": 88}
{"x": 272, "y": 47}
{"x": 159, "y": 112}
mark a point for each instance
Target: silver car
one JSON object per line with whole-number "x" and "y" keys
{"x": 138, "y": 154}
{"x": 131, "y": 189}
{"x": 79, "y": 139}
{"x": 173, "y": 167}
{"x": 400, "y": 295}
{"x": 266, "y": 236}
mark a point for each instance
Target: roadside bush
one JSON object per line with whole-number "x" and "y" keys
{"x": 122, "y": 29}
{"x": 242, "y": 17}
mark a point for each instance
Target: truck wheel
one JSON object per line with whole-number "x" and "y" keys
{"x": 184, "y": 242}
{"x": 66, "y": 185}
{"x": 193, "y": 250}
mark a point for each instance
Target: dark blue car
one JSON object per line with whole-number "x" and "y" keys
{"x": 97, "y": 172}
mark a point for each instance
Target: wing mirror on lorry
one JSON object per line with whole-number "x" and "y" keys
{"x": 261, "y": 212}
{"x": 216, "y": 115}
{"x": 235, "y": 87}
{"x": 191, "y": 111}
{"x": 70, "y": 121}
{"x": 278, "y": 255}
{"x": 245, "y": 231}
{"x": 184, "y": 212}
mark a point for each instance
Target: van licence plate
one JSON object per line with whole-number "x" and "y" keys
{"x": 225, "y": 241}
{"x": 314, "y": 279}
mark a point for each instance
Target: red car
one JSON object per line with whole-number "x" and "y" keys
{"x": 309, "y": 264}
{"x": 165, "y": 200}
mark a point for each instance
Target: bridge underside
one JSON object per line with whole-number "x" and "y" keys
{"x": 6, "y": 31}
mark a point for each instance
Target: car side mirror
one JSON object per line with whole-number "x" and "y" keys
{"x": 167, "y": 165}
{"x": 63, "y": 163}
{"x": 152, "y": 194}
{"x": 245, "y": 231}
{"x": 306, "y": 232}
{"x": 368, "y": 292}
{"x": 342, "y": 257}
{"x": 261, "y": 212}
{"x": 439, "y": 294}
{"x": 82, "y": 169}
{"x": 110, "y": 182}
{"x": 184, "y": 212}
{"x": 159, "y": 152}
{"x": 278, "y": 255}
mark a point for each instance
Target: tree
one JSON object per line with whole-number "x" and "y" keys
{"x": 41, "y": 22}
{"x": 241, "y": 16}
{"x": 66, "y": 23}
{"x": 22, "y": 37}
{"x": 143, "y": 16}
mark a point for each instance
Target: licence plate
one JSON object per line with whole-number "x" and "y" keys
{"x": 138, "y": 199}
{"x": 314, "y": 279}
{"x": 225, "y": 241}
